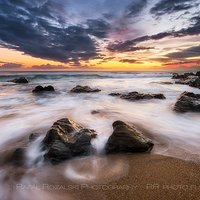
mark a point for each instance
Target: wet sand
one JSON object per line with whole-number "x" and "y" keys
{"x": 127, "y": 177}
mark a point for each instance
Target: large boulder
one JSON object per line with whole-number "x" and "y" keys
{"x": 127, "y": 138}
{"x": 40, "y": 89}
{"x": 134, "y": 96}
{"x": 19, "y": 80}
{"x": 188, "y": 101}
{"x": 84, "y": 89}
{"x": 67, "y": 139}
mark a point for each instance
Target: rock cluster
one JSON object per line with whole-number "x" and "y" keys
{"x": 39, "y": 89}
{"x": 134, "y": 96}
{"x": 66, "y": 139}
{"x": 191, "y": 79}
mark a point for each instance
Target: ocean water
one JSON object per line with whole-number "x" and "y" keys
{"x": 22, "y": 113}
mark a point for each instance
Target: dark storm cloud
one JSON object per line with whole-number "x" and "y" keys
{"x": 171, "y": 6}
{"x": 187, "y": 53}
{"x": 30, "y": 27}
{"x": 98, "y": 27}
{"x": 126, "y": 47}
{"x": 135, "y": 8}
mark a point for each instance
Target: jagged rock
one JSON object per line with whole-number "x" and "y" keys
{"x": 134, "y": 96}
{"x": 195, "y": 82}
{"x": 183, "y": 81}
{"x": 84, "y": 89}
{"x": 192, "y": 81}
{"x": 127, "y": 138}
{"x": 67, "y": 139}
{"x": 177, "y": 76}
{"x": 182, "y": 76}
{"x": 20, "y": 80}
{"x": 39, "y": 89}
{"x": 198, "y": 73}
{"x": 188, "y": 101}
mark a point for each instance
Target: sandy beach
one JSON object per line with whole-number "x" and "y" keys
{"x": 139, "y": 176}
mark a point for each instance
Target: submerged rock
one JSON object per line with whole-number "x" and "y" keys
{"x": 34, "y": 136}
{"x": 94, "y": 112}
{"x": 67, "y": 139}
{"x": 20, "y": 80}
{"x": 18, "y": 157}
{"x": 127, "y": 138}
{"x": 134, "y": 96}
{"x": 188, "y": 101}
{"x": 165, "y": 83}
{"x": 84, "y": 89}
{"x": 39, "y": 89}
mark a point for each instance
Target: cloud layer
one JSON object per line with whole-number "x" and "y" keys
{"x": 73, "y": 32}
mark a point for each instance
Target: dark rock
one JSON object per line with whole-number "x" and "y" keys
{"x": 134, "y": 96}
{"x": 177, "y": 76}
{"x": 192, "y": 81}
{"x": 33, "y": 136}
{"x": 195, "y": 82}
{"x": 94, "y": 112}
{"x": 183, "y": 81}
{"x": 127, "y": 138}
{"x": 115, "y": 94}
{"x": 18, "y": 157}
{"x": 166, "y": 83}
{"x": 182, "y": 76}
{"x": 19, "y": 80}
{"x": 198, "y": 73}
{"x": 66, "y": 139}
{"x": 49, "y": 88}
{"x": 39, "y": 89}
{"x": 188, "y": 101}
{"x": 84, "y": 89}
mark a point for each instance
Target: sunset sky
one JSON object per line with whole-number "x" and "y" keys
{"x": 100, "y": 35}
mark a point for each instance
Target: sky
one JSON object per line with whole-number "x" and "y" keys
{"x": 99, "y": 35}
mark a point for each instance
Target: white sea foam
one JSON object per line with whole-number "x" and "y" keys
{"x": 22, "y": 112}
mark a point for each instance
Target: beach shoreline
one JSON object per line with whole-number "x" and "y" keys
{"x": 142, "y": 176}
